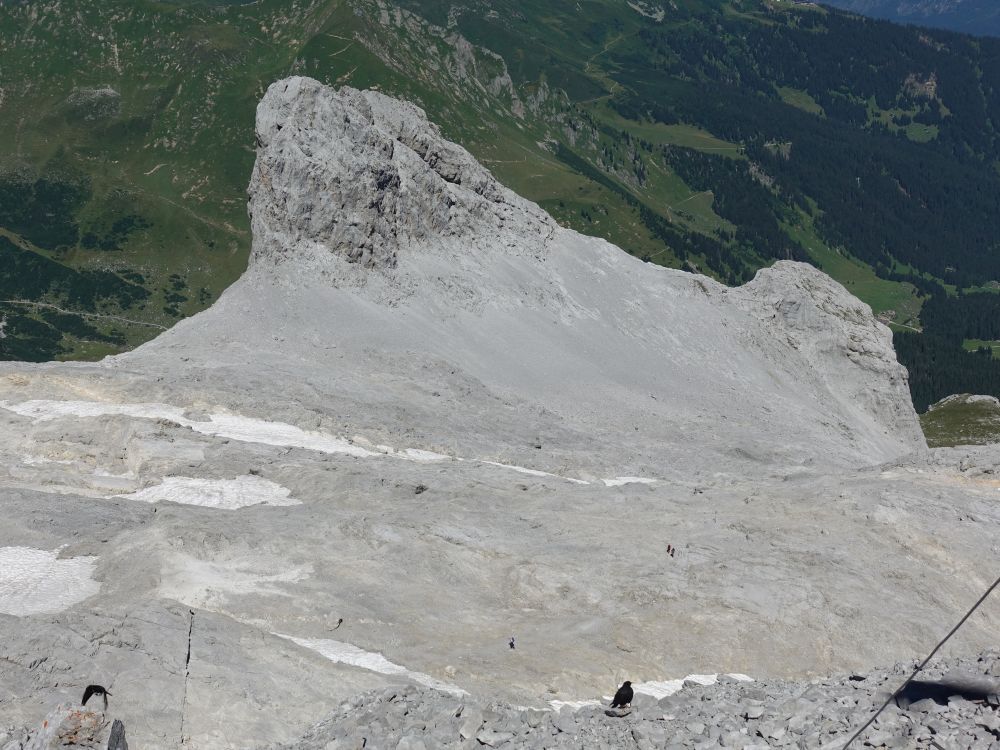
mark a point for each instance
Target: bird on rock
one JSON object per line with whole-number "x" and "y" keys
{"x": 623, "y": 698}
{"x": 95, "y": 690}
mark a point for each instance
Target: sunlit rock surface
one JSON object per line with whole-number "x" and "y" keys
{"x": 428, "y": 419}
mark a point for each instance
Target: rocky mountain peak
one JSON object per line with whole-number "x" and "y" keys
{"x": 355, "y": 189}
{"x": 366, "y": 177}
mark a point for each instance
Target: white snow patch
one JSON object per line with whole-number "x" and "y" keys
{"x": 249, "y": 430}
{"x": 227, "y": 494}
{"x": 656, "y": 688}
{"x": 112, "y": 475}
{"x": 619, "y": 481}
{"x": 42, "y": 461}
{"x": 347, "y": 653}
{"x": 33, "y": 581}
{"x": 232, "y": 426}
{"x": 661, "y": 689}
{"x": 244, "y": 429}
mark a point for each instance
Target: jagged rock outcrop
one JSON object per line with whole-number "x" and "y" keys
{"x": 71, "y": 726}
{"x": 836, "y": 333}
{"x": 68, "y": 726}
{"x": 363, "y": 175}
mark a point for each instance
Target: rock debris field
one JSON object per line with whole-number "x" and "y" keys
{"x": 428, "y": 419}
{"x": 730, "y": 713}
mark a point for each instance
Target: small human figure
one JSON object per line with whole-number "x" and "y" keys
{"x": 339, "y": 623}
{"x": 511, "y": 643}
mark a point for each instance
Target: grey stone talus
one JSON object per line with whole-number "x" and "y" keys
{"x": 814, "y": 714}
{"x": 403, "y": 415}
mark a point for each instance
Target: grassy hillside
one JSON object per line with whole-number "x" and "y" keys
{"x": 962, "y": 420}
{"x": 717, "y": 135}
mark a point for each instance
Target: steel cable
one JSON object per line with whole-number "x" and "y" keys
{"x": 922, "y": 664}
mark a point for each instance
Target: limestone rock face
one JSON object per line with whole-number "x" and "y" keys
{"x": 428, "y": 419}
{"x": 366, "y": 218}
{"x": 359, "y": 177}
{"x": 365, "y": 176}
{"x": 849, "y": 350}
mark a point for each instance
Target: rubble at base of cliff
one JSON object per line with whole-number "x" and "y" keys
{"x": 819, "y": 713}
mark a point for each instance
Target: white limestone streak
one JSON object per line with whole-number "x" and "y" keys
{"x": 534, "y": 472}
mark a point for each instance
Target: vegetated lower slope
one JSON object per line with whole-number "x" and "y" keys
{"x": 958, "y": 345}
{"x": 962, "y": 419}
{"x": 716, "y": 135}
{"x": 968, "y": 16}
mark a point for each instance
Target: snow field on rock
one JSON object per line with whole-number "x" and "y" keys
{"x": 347, "y": 653}
{"x": 661, "y": 689}
{"x": 264, "y": 432}
{"x": 34, "y": 581}
{"x": 656, "y": 688}
{"x": 232, "y": 426}
{"x": 622, "y": 481}
{"x": 224, "y": 494}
